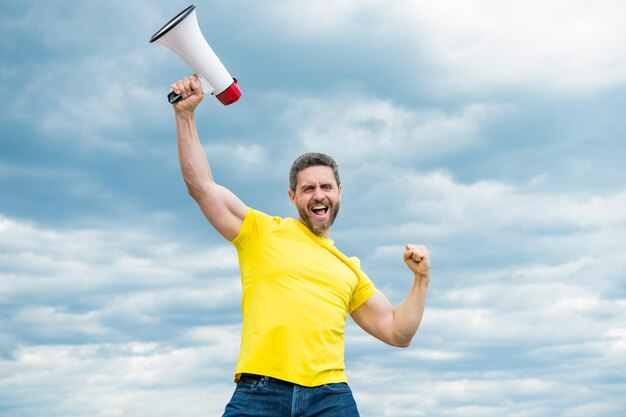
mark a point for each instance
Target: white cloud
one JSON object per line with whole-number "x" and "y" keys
{"x": 353, "y": 128}
{"x": 445, "y": 205}
{"x": 480, "y": 45}
{"x": 87, "y": 88}
{"x": 249, "y": 160}
{"x": 431, "y": 355}
{"x": 559, "y": 45}
{"x": 62, "y": 291}
{"x": 90, "y": 284}
{"x": 537, "y": 314}
{"x": 328, "y": 19}
{"x": 88, "y": 109}
{"x": 617, "y": 337}
{"x": 117, "y": 380}
{"x": 426, "y": 392}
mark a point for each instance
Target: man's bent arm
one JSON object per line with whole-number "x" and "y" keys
{"x": 397, "y": 326}
{"x": 224, "y": 210}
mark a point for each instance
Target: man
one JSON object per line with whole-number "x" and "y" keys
{"x": 297, "y": 287}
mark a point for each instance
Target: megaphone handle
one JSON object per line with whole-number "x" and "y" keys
{"x": 172, "y": 97}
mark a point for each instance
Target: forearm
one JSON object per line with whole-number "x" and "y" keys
{"x": 407, "y": 316}
{"x": 191, "y": 156}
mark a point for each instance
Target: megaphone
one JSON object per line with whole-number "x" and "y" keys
{"x": 183, "y": 36}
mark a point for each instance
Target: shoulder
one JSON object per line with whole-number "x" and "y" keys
{"x": 255, "y": 223}
{"x": 265, "y": 220}
{"x": 356, "y": 261}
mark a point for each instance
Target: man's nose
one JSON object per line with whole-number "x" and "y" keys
{"x": 319, "y": 194}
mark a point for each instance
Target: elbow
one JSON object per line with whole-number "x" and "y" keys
{"x": 403, "y": 344}
{"x": 400, "y": 342}
{"x": 402, "y": 339}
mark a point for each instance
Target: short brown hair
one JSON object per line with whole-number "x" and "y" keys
{"x": 311, "y": 159}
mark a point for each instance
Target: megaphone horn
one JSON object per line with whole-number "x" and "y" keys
{"x": 183, "y": 36}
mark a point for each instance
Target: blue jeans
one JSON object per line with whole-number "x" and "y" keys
{"x": 262, "y": 396}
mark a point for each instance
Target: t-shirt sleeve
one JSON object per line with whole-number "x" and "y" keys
{"x": 253, "y": 223}
{"x": 246, "y": 227}
{"x": 364, "y": 290}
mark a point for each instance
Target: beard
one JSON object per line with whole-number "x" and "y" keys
{"x": 316, "y": 227}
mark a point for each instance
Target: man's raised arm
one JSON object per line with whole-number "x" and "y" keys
{"x": 220, "y": 206}
{"x": 397, "y": 326}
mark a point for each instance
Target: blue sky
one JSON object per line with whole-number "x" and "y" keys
{"x": 491, "y": 131}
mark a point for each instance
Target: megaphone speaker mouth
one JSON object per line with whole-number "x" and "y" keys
{"x": 172, "y": 23}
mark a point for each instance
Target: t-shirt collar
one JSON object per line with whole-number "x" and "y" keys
{"x": 305, "y": 229}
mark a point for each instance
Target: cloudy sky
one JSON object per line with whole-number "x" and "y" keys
{"x": 491, "y": 131}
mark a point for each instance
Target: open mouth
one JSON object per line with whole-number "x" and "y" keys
{"x": 319, "y": 210}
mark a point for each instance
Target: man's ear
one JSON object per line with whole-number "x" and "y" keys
{"x": 292, "y": 196}
{"x": 340, "y": 188}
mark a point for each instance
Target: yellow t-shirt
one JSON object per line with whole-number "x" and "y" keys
{"x": 297, "y": 288}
